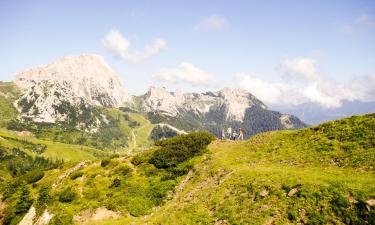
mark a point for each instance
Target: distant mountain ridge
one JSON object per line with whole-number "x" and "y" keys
{"x": 312, "y": 113}
{"x": 71, "y": 89}
{"x": 212, "y": 111}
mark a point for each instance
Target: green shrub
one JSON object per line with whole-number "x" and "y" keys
{"x": 24, "y": 202}
{"x": 160, "y": 132}
{"x": 141, "y": 158}
{"x": 134, "y": 124}
{"x": 124, "y": 170}
{"x": 180, "y": 148}
{"x": 115, "y": 183}
{"x": 76, "y": 174}
{"x": 105, "y": 162}
{"x": 113, "y": 156}
{"x": 43, "y": 197}
{"x": 159, "y": 190}
{"x": 67, "y": 195}
{"x": 33, "y": 176}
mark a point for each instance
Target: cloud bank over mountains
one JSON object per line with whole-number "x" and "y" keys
{"x": 185, "y": 72}
{"x": 302, "y": 82}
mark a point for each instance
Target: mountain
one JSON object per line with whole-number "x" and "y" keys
{"x": 313, "y": 113}
{"x": 317, "y": 175}
{"x": 78, "y": 100}
{"x": 212, "y": 111}
{"x": 66, "y": 87}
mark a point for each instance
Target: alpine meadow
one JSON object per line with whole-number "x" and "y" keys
{"x": 202, "y": 112}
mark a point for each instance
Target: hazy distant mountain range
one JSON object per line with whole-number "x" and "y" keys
{"x": 312, "y": 113}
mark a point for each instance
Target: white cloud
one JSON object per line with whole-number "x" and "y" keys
{"x": 312, "y": 88}
{"x": 213, "y": 22}
{"x": 185, "y": 72}
{"x": 119, "y": 46}
{"x": 299, "y": 68}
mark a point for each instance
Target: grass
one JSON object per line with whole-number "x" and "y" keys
{"x": 141, "y": 133}
{"x": 249, "y": 182}
{"x": 8, "y": 94}
{"x": 54, "y": 150}
{"x": 318, "y": 175}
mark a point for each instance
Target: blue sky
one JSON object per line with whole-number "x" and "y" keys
{"x": 285, "y": 52}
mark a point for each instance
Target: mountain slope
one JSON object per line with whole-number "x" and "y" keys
{"x": 9, "y": 93}
{"x": 212, "y": 111}
{"x": 317, "y": 175}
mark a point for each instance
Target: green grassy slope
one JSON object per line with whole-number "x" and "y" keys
{"x": 8, "y": 94}
{"x": 318, "y": 175}
{"x": 54, "y": 150}
{"x": 124, "y": 184}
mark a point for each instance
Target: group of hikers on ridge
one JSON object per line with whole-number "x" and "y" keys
{"x": 235, "y": 135}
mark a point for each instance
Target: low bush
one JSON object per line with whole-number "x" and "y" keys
{"x": 115, "y": 183}
{"x": 124, "y": 170}
{"x": 105, "y": 162}
{"x": 180, "y": 148}
{"x": 33, "y": 176}
{"x": 113, "y": 156}
{"x": 67, "y": 195}
{"x": 141, "y": 158}
{"x": 76, "y": 174}
{"x": 160, "y": 132}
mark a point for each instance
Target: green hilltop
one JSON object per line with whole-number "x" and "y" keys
{"x": 317, "y": 175}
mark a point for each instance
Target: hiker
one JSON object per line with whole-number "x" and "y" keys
{"x": 229, "y": 132}
{"x": 240, "y": 134}
{"x": 234, "y": 136}
{"x": 222, "y": 134}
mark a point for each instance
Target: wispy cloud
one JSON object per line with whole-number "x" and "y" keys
{"x": 213, "y": 22}
{"x": 302, "y": 82}
{"x": 185, "y": 72}
{"x": 119, "y": 46}
{"x": 360, "y": 22}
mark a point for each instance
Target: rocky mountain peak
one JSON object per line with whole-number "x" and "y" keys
{"x": 233, "y": 101}
{"x": 72, "y": 80}
{"x": 87, "y": 75}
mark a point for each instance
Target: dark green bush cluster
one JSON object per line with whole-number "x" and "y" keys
{"x": 124, "y": 170}
{"x": 67, "y": 195}
{"x": 43, "y": 197}
{"x": 162, "y": 132}
{"x": 76, "y": 174}
{"x": 33, "y": 176}
{"x": 105, "y": 162}
{"x": 19, "y": 163}
{"x": 14, "y": 212}
{"x": 115, "y": 183}
{"x": 178, "y": 149}
{"x": 141, "y": 158}
{"x": 134, "y": 124}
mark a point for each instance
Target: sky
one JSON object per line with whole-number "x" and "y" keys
{"x": 284, "y": 52}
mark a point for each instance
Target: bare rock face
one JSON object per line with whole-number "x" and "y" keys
{"x": 234, "y": 102}
{"x": 73, "y": 82}
{"x": 212, "y": 111}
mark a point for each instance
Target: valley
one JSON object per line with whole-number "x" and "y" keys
{"x": 93, "y": 154}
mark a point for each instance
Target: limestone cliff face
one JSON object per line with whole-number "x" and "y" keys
{"x": 71, "y": 82}
{"x": 235, "y": 102}
{"x": 212, "y": 110}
